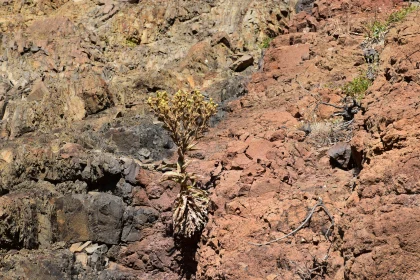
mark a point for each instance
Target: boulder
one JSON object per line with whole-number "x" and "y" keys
{"x": 93, "y": 216}
{"x": 340, "y": 155}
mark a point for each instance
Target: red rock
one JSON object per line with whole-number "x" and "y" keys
{"x": 144, "y": 177}
{"x": 297, "y": 135}
{"x": 274, "y": 136}
{"x": 237, "y": 147}
{"x": 274, "y": 57}
{"x": 140, "y": 197}
{"x": 258, "y": 149}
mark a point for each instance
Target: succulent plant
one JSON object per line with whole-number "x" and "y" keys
{"x": 186, "y": 117}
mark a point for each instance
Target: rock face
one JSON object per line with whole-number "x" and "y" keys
{"x": 95, "y": 216}
{"x": 81, "y": 159}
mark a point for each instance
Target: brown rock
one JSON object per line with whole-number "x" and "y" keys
{"x": 38, "y": 92}
{"x": 74, "y": 247}
{"x": 79, "y": 218}
{"x": 144, "y": 177}
{"x": 242, "y": 63}
{"x": 82, "y": 258}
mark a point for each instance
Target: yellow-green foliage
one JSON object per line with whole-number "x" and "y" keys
{"x": 266, "y": 43}
{"x": 376, "y": 28}
{"x": 357, "y": 87}
{"x": 186, "y": 116}
{"x": 401, "y": 14}
{"x": 132, "y": 42}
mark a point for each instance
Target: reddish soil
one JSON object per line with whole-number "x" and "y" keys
{"x": 268, "y": 174}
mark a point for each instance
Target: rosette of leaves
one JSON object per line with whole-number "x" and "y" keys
{"x": 186, "y": 117}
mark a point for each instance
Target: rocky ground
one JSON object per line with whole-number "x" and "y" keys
{"x": 81, "y": 158}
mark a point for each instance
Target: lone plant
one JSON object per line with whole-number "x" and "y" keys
{"x": 186, "y": 116}
{"x": 357, "y": 87}
{"x": 266, "y": 43}
{"x": 377, "y": 29}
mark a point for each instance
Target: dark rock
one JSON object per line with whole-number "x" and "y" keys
{"x": 124, "y": 190}
{"x": 113, "y": 252}
{"x": 42, "y": 264}
{"x": 142, "y": 134}
{"x": 105, "y": 217}
{"x": 340, "y": 155}
{"x": 370, "y": 55}
{"x": 131, "y": 170}
{"x": 69, "y": 187}
{"x": 19, "y": 227}
{"x": 94, "y": 216}
{"x": 135, "y": 219}
{"x": 227, "y": 90}
{"x": 305, "y": 5}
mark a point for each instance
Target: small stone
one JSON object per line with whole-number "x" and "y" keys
{"x": 297, "y": 135}
{"x": 94, "y": 258}
{"x": 242, "y": 63}
{"x": 7, "y": 155}
{"x": 243, "y": 266}
{"x": 305, "y": 56}
{"x": 144, "y": 152}
{"x": 271, "y": 277}
{"x": 87, "y": 243}
{"x": 112, "y": 266}
{"x": 34, "y": 49}
{"x": 340, "y": 153}
{"x": 92, "y": 248}
{"x": 82, "y": 258}
{"x": 74, "y": 247}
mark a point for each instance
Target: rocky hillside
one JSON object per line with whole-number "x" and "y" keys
{"x": 81, "y": 157}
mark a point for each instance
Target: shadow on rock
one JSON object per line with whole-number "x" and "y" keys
{"x": 186, "y": 260}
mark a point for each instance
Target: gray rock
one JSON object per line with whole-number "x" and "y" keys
{"x": 135, "y": 219}
{"x": 105, "y": 217}
{"x": 340, "y": 154}
{"x": 34, "y": 49}
{"x": 305, "y": 5}
{"x": 100, "y": 249}
{"x": 124, "y": 190}
{"x": 130, "y": 172}
{"x": 144, "y": 152}
{"x": 38, "y": 264}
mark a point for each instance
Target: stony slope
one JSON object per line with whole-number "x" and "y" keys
{"x": 81, "y": 160}
{"x": 271, "y": 173}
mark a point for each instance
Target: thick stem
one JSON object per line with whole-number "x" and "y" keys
{"x": 183, "y": 167}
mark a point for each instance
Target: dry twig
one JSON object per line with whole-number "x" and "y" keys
{"x": 321, "y": 204}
